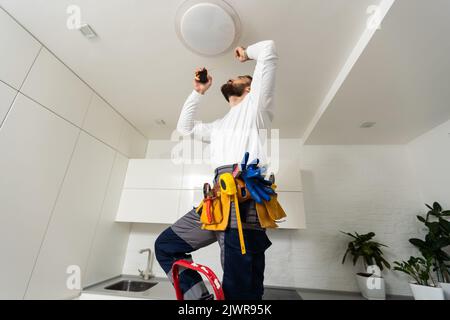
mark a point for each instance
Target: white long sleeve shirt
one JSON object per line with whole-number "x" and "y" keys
{"x": 246, "y": 126}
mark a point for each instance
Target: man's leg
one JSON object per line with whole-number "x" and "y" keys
{"x": 243, "y": 277}
{"x": 175, "y": 243}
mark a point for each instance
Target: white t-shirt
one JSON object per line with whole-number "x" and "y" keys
{"x": 246, "y": 126}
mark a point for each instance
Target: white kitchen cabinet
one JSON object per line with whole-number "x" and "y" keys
{"x": 132, "y": 143}
{"x": 7, "y": 95}
{"x": 189, "y": 199}
{"x": 148, "y": 206}
{"x": 292, "y": 203}
{"x": 158, "y": 191}
{"x": 109, "y": 246}
{"x": 194, "y": 176}
{"x": 36, "y": 149}
{"x": 153, "y": 174}
{"x": 288, "y": 177}
{"x": 18, "y": 49}
{"x": 56, "y": 87}
{"x": 103, "y": 122}
{"x": 72, "y": 226}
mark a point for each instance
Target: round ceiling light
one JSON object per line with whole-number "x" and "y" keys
{"x": 207, "y": 28}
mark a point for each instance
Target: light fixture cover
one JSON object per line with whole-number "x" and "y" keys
{"x": 207, "y": 28}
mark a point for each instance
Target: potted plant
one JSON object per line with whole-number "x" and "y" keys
{"x": 436, "y": 241}
{"x": 370, "y": 283}
{"x": 424, "y": 287}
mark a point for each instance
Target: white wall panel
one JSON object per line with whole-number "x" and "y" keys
{"x": 71, "y": 230}
{"x": 103, "y": 122}
{"x": 18, "y": 49}
{"x": 53, "y": 85}
{"x": 108, "y": 250}
{"x": 7, "y": 95}
{"x": 35, "y": 147}
{"x": 132, "y": 143}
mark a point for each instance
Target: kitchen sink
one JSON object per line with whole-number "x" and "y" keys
{"x": 131, "y": 285}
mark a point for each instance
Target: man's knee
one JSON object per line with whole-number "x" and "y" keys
{"x": 161, "y": 244}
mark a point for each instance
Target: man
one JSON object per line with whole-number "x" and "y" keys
{"x": 251, "y": 101}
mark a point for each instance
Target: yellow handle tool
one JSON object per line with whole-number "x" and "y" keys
{"x": 228, "y": 187}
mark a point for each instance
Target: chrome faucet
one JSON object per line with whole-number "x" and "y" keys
{"x": 147, "y": 274}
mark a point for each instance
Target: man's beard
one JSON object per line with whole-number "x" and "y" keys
{"x": 229, "y": 90}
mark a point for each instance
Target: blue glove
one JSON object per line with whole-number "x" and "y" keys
{"x": 259, "y": 188}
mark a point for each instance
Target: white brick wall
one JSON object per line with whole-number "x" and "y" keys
{"x": 348, "y": 188}
{"x": 430, "y": 155}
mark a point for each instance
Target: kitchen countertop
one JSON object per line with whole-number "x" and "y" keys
{"x": 164, "y": 290}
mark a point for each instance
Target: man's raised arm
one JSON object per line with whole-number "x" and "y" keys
{"x": 263, "y": 84}
{"x": 187, "y": 123}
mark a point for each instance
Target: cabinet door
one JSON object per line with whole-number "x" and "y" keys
{"x": 132, "y": 143}
{"x": 18, "y": 49}
{"x": 72, "y": 226}
{"x": 153, "y": 174}
{"x": 292, "y": 203}
{"x": 103, "y": 122}
{"x": 189, "y": 199}
{"x": 194, "y": 176}
{"x": 149, "y": 206}
{"x": 53, "y": 85}
{"x": 36, "y": 150}
{"x": 7, "y": 95}
{"x": 287, "y": 175}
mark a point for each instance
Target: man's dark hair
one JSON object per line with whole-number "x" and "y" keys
{"x": 229, "y": 89}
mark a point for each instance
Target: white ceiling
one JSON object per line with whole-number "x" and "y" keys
{"x": 401, "y": 81}
{"x": 141, "y": 68}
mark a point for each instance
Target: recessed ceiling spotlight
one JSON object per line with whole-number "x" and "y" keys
{"x": 87, "y": 31}
{"x": 367, "y": 125}
{"x": 160, "y": 122}
{"x": 207, "y": 27}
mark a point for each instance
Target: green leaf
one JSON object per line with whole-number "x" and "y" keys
{"x": 421, "y": 219}
{"x": 437, "y": 207}
{"x": 418, "y": 243}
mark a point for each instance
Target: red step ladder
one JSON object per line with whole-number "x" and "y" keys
{"x": 207, "y": 272}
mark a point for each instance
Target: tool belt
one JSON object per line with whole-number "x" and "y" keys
{"x": 215, "y": 208}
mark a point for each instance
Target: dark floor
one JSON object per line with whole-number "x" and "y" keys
{"x": 281, "y": 294}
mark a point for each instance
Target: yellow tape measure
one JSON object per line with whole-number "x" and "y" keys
{"x": 228, "y": 188}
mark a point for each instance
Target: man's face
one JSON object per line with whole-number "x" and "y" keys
{"x": 236, "y": 87}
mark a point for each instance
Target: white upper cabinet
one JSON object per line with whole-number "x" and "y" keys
{"x": 288, "y": 177}
{"x": 36, "y": 150}
{"x": 153, "y": 174}
{"x": 159, "y": 191}
{"x": 189, "y": 199}
{"x": 286, "y": 166}
{"x": 7, "y": 95}
{"x": 103, "y": 122}
{"x": 18, "y": 49}
{"x": 132, "y": 143}
{"x": 194, "y": 176}
{"x": 149, "y": 206}
{"x": 293, "y": 205}
{"x": 56, "y": 87}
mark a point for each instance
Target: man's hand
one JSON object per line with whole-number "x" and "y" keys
{"x": 241, "y": 54}
{"x": 201, "y": 87}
